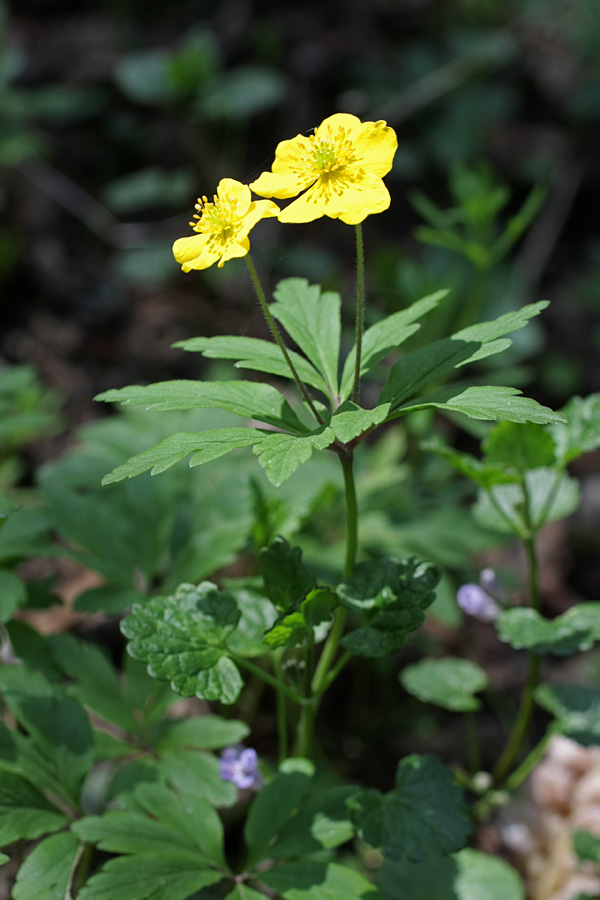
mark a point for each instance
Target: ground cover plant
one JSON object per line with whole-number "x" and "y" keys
{"x": 219, "y": 580}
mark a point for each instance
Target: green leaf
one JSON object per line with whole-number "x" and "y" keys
{"x": 484, "y": 402}
{"x": 56, "y": 722}
{"x": 243, "y": 892}
{"x": 384, "y": 337}
{"x": 286, "y": 578}
{"x": 312, "y": 320}
{"x": 162, "y": 875}
{"x": 449, "y": 683}
{"x": 249, "y": 399}
{"x": 581, "y": 433}
{"x": 281, "y": 455}
{"x": 519, "y": 447}
{"x": 198, "y": 773}
{"x": 24, "y": 811}
{"x": 481, "y": 472}
{"x": 256, "y": 354}
{"x": 576, "y": 708}
{"x": 204, "y": 447}
{"x": 577, "y": 629}
{"x": 4, "y": 858}
{"x": 551, "y": 494}
{"x": 209, "y": 732}
{"x": 312, "y": 880}
{"x": 257, "y": 615}
{"x": 47, "y": 871}
{"x": 586, "y": 846}
{"x": 392, "y": 597}
{"x": 467, "y": 875}
{"x": 350, "y": 421}
{"x": 427, "y": 364}
{"x": 424, "y": 814}
{"x": 13, "y": 594}
{"x": 183, "y": 640}
{"x": 277, "y": 802}
{"x": 321, "y": 822}
{"x": 165, "y": 821}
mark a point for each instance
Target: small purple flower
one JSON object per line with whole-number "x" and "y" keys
{"x": 477, "y": 600}
{"x": 240, "y": 765}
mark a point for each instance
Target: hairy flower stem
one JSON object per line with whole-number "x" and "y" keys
{"x": 360, "y": 307}
{"x": 279, "y": 340}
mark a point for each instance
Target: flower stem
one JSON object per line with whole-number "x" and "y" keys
{"x": 360, "y": 307}
{"x": 279, "y": 686}
{"x": 281, "y": 701}
{"x": 279, "y": 340}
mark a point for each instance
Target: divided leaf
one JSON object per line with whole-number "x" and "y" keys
{"x": 281, "y": 455}
{"x": 551, "y": 494}
{"x": 313, "y": 880}
{"x": 24, "y": 811}
{"x": 485, "y": 402}
{"x": 520, "y": 447}
{"x": 581, "y": 433}
{"x": 46, "y": 873}
{"x": 449, "y": 683}
{"x": 424, "y": 814}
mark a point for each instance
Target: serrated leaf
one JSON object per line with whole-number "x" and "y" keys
{"x": 162, "y": 875}
{"x": 312, "y": 320}
{"x": 252, "y": 400}
{"x": 46, "y": 873}
{"x": 203, "y": 447}
{"x": 575, "y": 630}
{"x": 576, "y": 708}
{"x": 183, "y": 640}
{"x": 57, "y": 724}
{"x": 482, "y": 473}
{"x": 286, "y": 578}
{"x": 312, "y": 880}
{"x": 449, "y": 683}
{"x": 208, "y": 731}
{"x": 350, "y": 421}
{"x": 485, "y": 402}
{"x": 281, "y": 455}
{"x": 197, "y": 772}
{"x": 256, "y": 354}
{"x": 24, "y": 811}
{"x": 581, "y": 433}
{"x": 424, "y": 814}
{"x": 466, "y": 875}
{"x": 551, "y": 494}
{"x": 427, "y": 364}
{"x": 278, "y": 801}
{"x": 13, "y": 594}
{"x": 520, "y": 447}
{"x": 384, "y": 337}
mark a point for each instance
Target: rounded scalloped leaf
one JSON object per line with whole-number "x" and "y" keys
{"x": 449, "y": 683}
{"x": 575, "y": 630}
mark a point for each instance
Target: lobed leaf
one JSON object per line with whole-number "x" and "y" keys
{"x": 351, "y": 421}
{"x": 575, "y": 630}
{"x": 551, "y": 495}
{"x": 581, "y": 432}
{"x": 484, "y": 402}
{"x": 287, "y": 580}
{"x": 314, "y": 880}
{"x": 281, "y": 455}
{"x": 47, "y": 872}
{"x": 449, "y": 683}
{"x": 162, "y": 875}
{"x": 24, "y": 811}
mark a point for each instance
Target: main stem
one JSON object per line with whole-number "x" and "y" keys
{"x": 275, "y": 332}
{"x": 360, "y": 307}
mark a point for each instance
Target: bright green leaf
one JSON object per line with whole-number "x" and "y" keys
{"x": 281, "y": 455}
{"x": 350, "y": 421}
{"x": 483, "y": 402}
{"x": 577, "y": 629}
{"x": 482, "y": 473}
{"x": 209, "y": 732}
{"x": 449, "y": 683}
{"x": 46, "y": 873}
{"x": 312, "y": 880}
{"x": 581, "y": 433}
{"x": 13, "y": 594}
{"x": 519, "y": 447}
{"x": 551, "y": 494}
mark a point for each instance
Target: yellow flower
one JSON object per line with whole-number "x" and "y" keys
{"x": 223, "y": 225}
{"x": 339, "y": 168}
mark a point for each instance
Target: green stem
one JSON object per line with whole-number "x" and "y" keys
{"x": 521, "y": 726}
{"x": 360, "y": 307}
{"x": 279, "y": 340}
{"x": 279, "y": 686}
{"x": 530, "y": 762}
{"x": 281, "y": 701}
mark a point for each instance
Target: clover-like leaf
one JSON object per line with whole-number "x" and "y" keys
{"x": 449, "y": 683}
{"x": 576, "y": 629}
{"x": 183, "y": 640}
{"x": 424, "y": 814}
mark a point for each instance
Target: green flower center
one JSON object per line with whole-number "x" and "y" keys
{"x": 333, "y": 152}
{"x": 217, "y": 217}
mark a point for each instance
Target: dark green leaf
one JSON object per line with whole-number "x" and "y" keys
{"x": 243, "y": 892}
{"x": 281, "y": 455}
{"x": 577, "y": 629}
{"x": 204, "y": 447}
{"x": 586, "y": 846}
{"x": 162, "y": 875}
{"x": 198, "y": 773}
{"x": 47, "y": 871}
{"x": 424, "y": 814}
{"x": 312, "y": 880}
{"x": 13, "y": 594}
{"x": 449, "y": 683}
{"x": 244, "y": 398}
{"x": 321, "y": 822}
{"x": 24, "y": 811}
{"x": 183, "y": 640}
{"x": 254, "y": 353}
{"x": 287, "y": 580}
{"x": 209, "y": 732}
{"x": 277, "y": 802}
{"x": 386, "y": 336}
{"x": 312, "y": 320}
{"x": 576, "y": 708}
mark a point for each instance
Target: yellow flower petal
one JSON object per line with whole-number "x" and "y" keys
{"x": 234, "y": 250}
{"x": 195, "y": 252}
{"x": 235, "y": 193}
{"x": 272, "y": 184}
{"x": 376, "y": 147}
